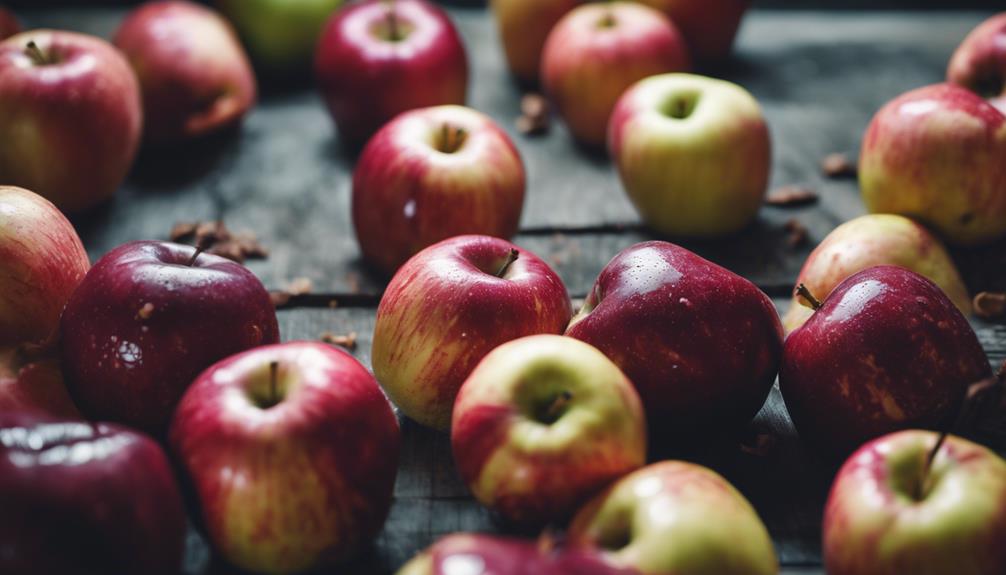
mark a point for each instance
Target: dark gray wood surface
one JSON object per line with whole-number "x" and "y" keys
{"x": 819, "y": 76}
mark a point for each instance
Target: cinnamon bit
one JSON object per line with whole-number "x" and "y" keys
{"x": 299, "y": 286}
{"x": 216, "y": 239}
{"x": 838, "y": 165}
{"x": 787, "y": 196}
{"x": 990, "y": 305}
{"x": 146, "y": 311}
{"x": 760, "y": 444}
{"x": 535, "y": 115}
{"x": 332, "y": 304}
{"x": 797, "y": 233}
{"x": 280, "y": 298}
{"x": 347, "y": 341}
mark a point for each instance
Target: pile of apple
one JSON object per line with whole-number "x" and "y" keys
{"x": 287, "y": 453}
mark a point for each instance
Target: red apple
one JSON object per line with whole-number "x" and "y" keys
{"x": 292, "y": 451}
{"x": 936, "y": 155}
{"x": 81, "y": 498}
{"x": 432, "y": 174}
{"x": 891, "y": 513}
{"x": 597, "y": 51}
{"x": 378, "y": 58}
{"x": 8, "y": 24}
{"x": 31, "y": 379}
{"x": 887, "y": 350}
{"x": 449, "y": 306}
{"x": 70, "y": 116}
{"x": 701, "y": 344}
{"x": 709, "y": 26}
{"x": 543, "y": 423}
{"x": 147, "y": 319}
{"x": 523, "y": 26}
{"x": 979, "y": 63}
{"x": 194, "y": 75}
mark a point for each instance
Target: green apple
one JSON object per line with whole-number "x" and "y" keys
{"x": 693, "y": 153}
{"x": 874, "y": 240}
{"x": 280, "y": 34}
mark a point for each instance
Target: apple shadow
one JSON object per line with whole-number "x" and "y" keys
{"x": 164, "y": 168}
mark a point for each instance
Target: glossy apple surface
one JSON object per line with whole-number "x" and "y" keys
{"x": 701, "y": 344}
{"x": 31, "y": 379}
{"x": 194, "y": 75}
{"x": 542, "y": 424}
{"x": 280, "y": 34}
{"x": 873, "y": 240}
{"x": 673, "y": 134}
{"x": 886, "y": 351}
{"x": 523, "y": 27}
{"x": 80, "y": 498}
{"x": 709, "y": 26}
{"x": 676, "y": 517}
{"x": 449, "y": 306}
{"x": 596, "y": 52}
{"x": 9, "y": 24}
{"x": 377, "y": 59}
{"x": 887, "y": 515}
{"x": 431, "y": 174}
{"x": 936, "y": 154}
{"x": 147, "y": 319}
{"x": 293, "y": 465}
{"x": 979, "y": 63}
{"x": 70, "y": 116}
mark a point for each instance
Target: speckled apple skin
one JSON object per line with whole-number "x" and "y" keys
{"x": 938, "y": 154}
{"x": 873, "y": 526}
{"x": 531, "y": 472}
{"x": 676, "y": 517}
{"x": 979, "y": 63}
{"x": 130, "y": 362}
{"x": 408, "y": 195}
{"x": 445, "y": 310}
{"x": 701, "y": 344}
{"x": 194, "y": 75}
{"x": 523, "y": 27}
{"x": 886, "y": 351}
{"x": 304, "y": 484}
{"x": 709, "y": 26}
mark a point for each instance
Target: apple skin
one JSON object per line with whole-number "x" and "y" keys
{"x": 445, "y": 309}
{"x": 936, "y": 154}
{"x": 302, "y": 484}
{"x": 979, "y": 63}
{"x": 194, "y": 76}
{"x": 72, "y": 128}
{"x": 709, "y": 26}
{"x": 676, "y": 517}
{"x": 410, "y": 190}
{"x": 281, "y": 35}
{"x": 597, "y": 51}
{"x": 80, "y": 498}
{"x": 871, "y": 240}
{"x": 368, "y": 79}
{"x": 701, "y": 344}
{"x": 886, "y": 351}
{"x": 31, "y": 379}
{"x": 875, "y": 524}
{"x": 143, "y": 324}
{"x": 721, "y": 146}
{"x": 9, "y": 24}
{"x": 41, "y": 262}
{"x": 533, "y": 467}
{"x": 523, "y": 26}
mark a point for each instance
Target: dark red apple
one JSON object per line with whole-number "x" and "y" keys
{"x": 701, "y": 344}
{"x": 378, "y": 58}
{"x": 83, "y": 498}
{"x": 8, "y": 24}
{"x": 887, "y": 350}
{"x": 147, "y": 319}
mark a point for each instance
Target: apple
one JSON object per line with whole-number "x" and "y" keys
{"x": 41, "y": 262}
{"x": 979, "y": 63}
{"x": 449, "y": 306}
{"x": 70, "y": 117}
{"x": 936, "y": 154}
{"x": 709, "y": 26}
{"x": 701, "y": 344}
{"x": 543, "y": 423}
{"x": 147, "y": 319}
{"x": 597, "y": 51}
{"x": 673, "y": 134}
{"x": 523, "y": 27}
{"x": 31, "y": 379}
{"x": 292, "y": 451}
{"x": 9, "y": 24}
{"x": 280, "y": 34}
{"x": 676, "y": 517}
{"x": 379, "y": 58}
{"x": 890, "y": 513}
{"x": 431, "y": 174}
{"x": 887, "y": 350}
{"x": 80, "y": 498}
{"x": 871, "y": 240}
{"x": 194, "y": 76}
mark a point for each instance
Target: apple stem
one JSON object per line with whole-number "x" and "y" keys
{"x": 36, "y": 54}
{"x": 195, "y": 255}
{"x": 558, "y": 405}
{"x": 451, "y": 138}
{"x": 510, "y": 259}
{"x": 804, "y": 292}
{"x": 273, "y": 376}
{"x": 394, "y": 33}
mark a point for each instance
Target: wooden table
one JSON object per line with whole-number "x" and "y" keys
{"x": 819, "y": 76}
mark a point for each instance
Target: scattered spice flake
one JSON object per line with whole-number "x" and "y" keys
{"x": 838, "y": 165}
{"x": 797, "y": 233}
{"x": 146, "y": 311}
{"x": 279, "y": 298}
{"x": 791, "y": 196}
{"x": 990, "y": 305}
{"x": 216, "y": 239}
{"x": 299, "y": 286}
{"x": 347, "y": 341}
{"x": 534, "y": 118}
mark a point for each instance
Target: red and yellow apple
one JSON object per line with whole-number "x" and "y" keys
{"x": 523, "y": 26}
{"x": 31, "y": 379}
{"x": 979, "y": 63}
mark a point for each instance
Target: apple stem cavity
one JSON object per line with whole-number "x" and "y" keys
{"x": 451, "y": 138}
{"x": 510, "y": 259}
{"x": 557, "y": 407}
{"x": 273, "y": 377}
{"x": 36, "y": 54}
{"x": 394, "y": 31}
{"x": 805, "y": 293}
